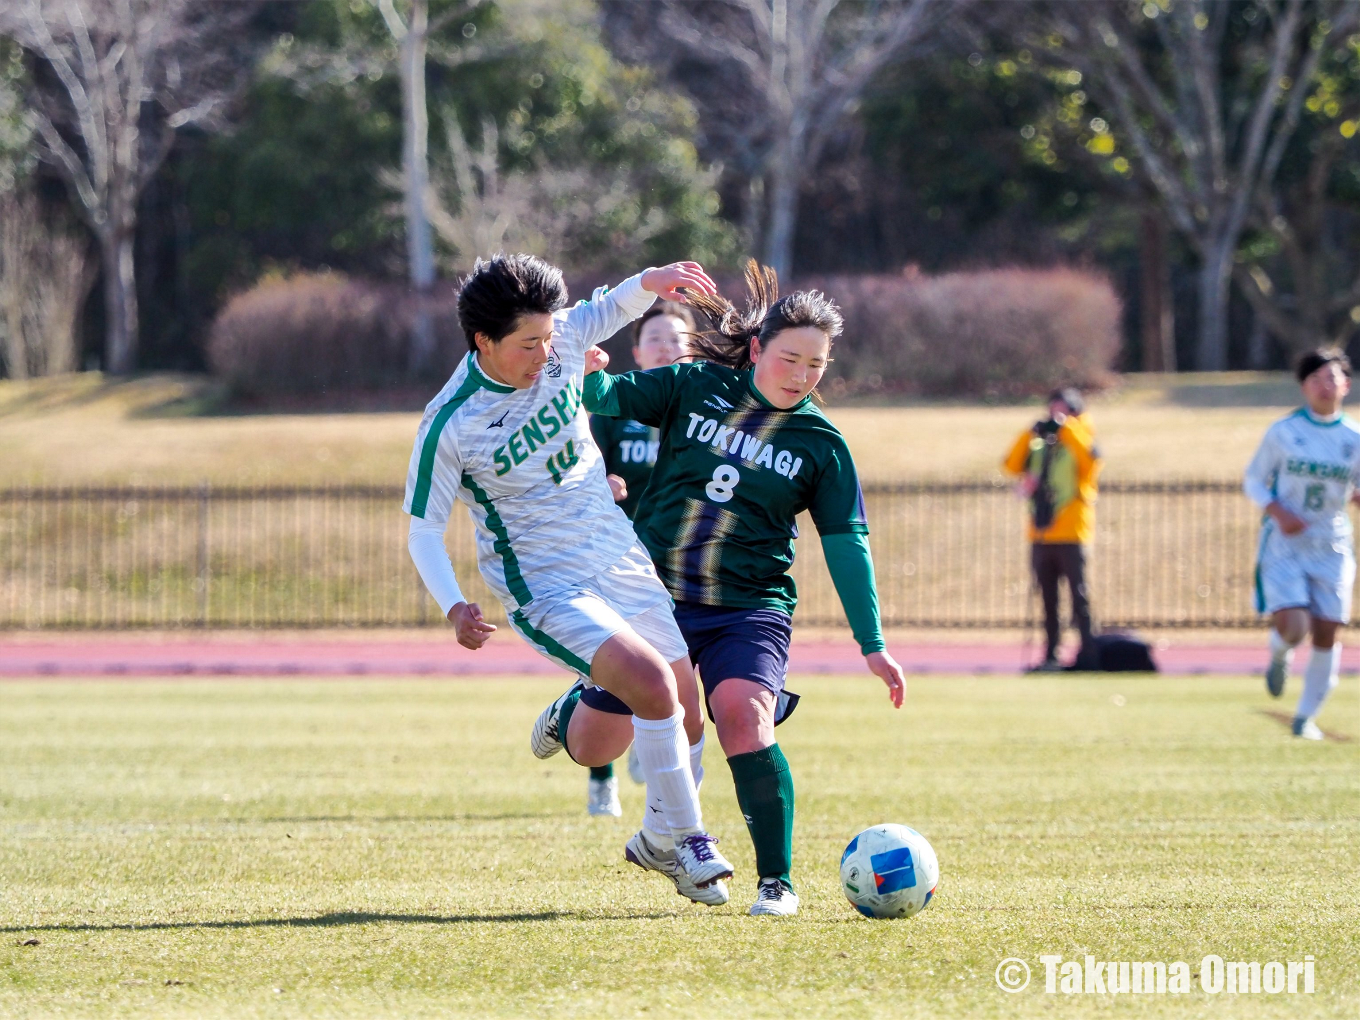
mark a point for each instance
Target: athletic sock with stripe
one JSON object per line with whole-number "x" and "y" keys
{"x": 765, "y": 794}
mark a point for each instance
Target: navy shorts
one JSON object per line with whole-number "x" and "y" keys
{"x": 727, "y": 644}
{"x": 736, "y": 644}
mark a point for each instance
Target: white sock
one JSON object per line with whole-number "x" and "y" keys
{"x": 1280, "y": 649}
{"x": 654, "y": 814}
{"x": 661, "y": 748}
{"x": 1320, "y": 676}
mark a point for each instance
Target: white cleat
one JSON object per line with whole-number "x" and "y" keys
{"x": 602, "y": 797}
{"x": 635, "y": 766}
{"x": 1307, "y": 729}
{"x": 641, "y": 852}
{"x": 698, "y": 855}
{"x": 545, "y": 739}
{"x": 774, "y": 899}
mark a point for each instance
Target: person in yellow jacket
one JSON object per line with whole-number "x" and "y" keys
{"x": 1057, "y": 463}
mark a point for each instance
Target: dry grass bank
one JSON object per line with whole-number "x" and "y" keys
{"x": 84, "y": 429}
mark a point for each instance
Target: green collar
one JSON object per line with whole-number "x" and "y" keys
{"x": 483, "y": 379}
{"x": 751, "y": 385}
{"x": 1306, "y": 412}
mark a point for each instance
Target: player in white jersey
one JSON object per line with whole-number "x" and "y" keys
{"x": 506, "y": 436}
{"x": 1303, "y": 475}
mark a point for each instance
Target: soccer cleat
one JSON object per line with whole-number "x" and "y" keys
{"x": 774, "y": 899}
{"x": 545, "y": 739}
{"x": 602, "y": 797}
{"x": 1307, "y": 729}
{"x": 635, "y": 766}
{"x": 1276, "y": 674}
{"x": 700, "y": 859}
{"x": 641, "y": 852}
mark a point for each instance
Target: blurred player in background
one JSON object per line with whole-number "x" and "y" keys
{"x": 629, "y": 451}
{"x": 1058, "y": 464}
{"x": 1302, "y": 476}
{"x": 744, "y": 450}
{"x": 506, "y": 438}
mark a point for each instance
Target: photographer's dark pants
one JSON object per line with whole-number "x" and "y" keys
{"x": 1052, "y": 562}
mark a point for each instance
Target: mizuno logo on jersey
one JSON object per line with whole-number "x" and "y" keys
{"x": 718, "y": 404}
{"x": 499, "y": 422}
{"x": 729, "y": 440}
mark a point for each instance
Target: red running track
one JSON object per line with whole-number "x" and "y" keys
{"x": 96, "y": 656}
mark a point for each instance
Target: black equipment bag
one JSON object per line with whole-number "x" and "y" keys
{"x": 1124, "y": 653}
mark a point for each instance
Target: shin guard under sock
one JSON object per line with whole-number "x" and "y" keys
{"x": 765, "y": 794}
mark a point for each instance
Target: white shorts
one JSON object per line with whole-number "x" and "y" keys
{"x": 568, "y": 627}
{"x": 1304, "y": 572}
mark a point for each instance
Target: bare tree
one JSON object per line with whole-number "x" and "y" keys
{"x": 410, "y": 26}
{"x": 1207, "y": 105}
{"x": 413, "y": 35}
{"x": 116, "y": 79}
{"x": 788, "y": 73}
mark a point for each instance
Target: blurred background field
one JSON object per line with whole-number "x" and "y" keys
{"x": 90, "y": 429}
{"x": 155, "y": 507}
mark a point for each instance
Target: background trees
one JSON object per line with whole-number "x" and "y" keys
{"x": 1202, "y": 154}
{"x": 113, "y": 81}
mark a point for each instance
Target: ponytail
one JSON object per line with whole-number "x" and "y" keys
{"x": 728, "y": 342}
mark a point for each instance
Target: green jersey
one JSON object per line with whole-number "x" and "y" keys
{"x": 732, "y": 474}
{"x": 629, "y": 449}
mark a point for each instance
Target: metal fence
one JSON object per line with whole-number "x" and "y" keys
{"x": 947, "y": 555}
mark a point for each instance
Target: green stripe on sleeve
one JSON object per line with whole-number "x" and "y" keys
{"x": 553, "y": 647}
{"x": 421, "y": 497}
{"x": 514, "y": 579}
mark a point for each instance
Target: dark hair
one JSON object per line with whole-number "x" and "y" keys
{"x": 766, "y": 315}
{"x": 673, "y": 309}
{"x": 1071, "y": 396}
{"x": 502, "y": 289}
{"x": 1313, "y": 360}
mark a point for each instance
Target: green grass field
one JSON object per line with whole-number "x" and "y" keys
{"x": 392, "y": 849}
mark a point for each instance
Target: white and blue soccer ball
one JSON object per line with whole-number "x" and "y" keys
{"x": 889, "y": 871}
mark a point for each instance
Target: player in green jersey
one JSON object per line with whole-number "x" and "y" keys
{"x": 743, "y": 451}
{"x": 629, "y": 451}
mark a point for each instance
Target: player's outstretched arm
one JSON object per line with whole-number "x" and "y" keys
{"x": 608, "y": 311}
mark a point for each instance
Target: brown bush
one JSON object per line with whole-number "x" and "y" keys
{"x": 996, "y": 333}
{"x": 317, "y": 333}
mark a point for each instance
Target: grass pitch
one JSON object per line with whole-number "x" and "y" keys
{"x": 391, "y": 848}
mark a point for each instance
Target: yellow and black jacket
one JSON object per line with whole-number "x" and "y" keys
{"x": 1071, "y": 480}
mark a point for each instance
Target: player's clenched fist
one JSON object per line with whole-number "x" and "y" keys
{"x": 597, "y": 359}
{"x": 468, "y": 624}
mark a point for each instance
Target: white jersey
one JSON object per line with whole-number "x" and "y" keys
{"x": 525, "y": 464}
{"x": 1310, "y": 467}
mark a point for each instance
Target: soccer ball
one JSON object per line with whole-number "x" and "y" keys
{"x": 889, "y": 871}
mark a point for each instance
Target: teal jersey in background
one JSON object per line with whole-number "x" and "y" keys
{"x": 629, "y": 449}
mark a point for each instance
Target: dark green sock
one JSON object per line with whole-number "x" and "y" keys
{"x": 602, "y": 771}
{"x": 564, "y": 719}
{"x": 765, "y": 794}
